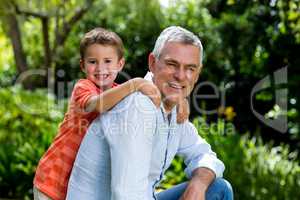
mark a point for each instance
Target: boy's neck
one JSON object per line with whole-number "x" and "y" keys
{"x": 104, "y": 88}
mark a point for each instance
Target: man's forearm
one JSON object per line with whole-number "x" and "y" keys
{"x": 203, "y": 176}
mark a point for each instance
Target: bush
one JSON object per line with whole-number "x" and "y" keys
{"x": 256, "y": 171}
{"x": 28, "y": 124}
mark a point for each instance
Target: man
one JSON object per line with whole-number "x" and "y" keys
{"x": 126, "y": 152}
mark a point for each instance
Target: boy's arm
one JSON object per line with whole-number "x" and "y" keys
{"x": 109, "y": 98}
{"x": 183, "y": 111}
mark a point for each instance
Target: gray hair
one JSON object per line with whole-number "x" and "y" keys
{"x": 176, "y": 34}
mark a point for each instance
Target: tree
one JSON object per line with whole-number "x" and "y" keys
{"x": 57, "y": 19}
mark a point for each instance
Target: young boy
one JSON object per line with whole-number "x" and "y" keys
{"x": 101, "y": 59}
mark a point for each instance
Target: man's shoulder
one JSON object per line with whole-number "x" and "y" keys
{"x": 134, "y": 101}
{"x": 135, "y": 107}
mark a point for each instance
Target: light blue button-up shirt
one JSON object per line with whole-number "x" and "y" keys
{"x": 127, "y": 150}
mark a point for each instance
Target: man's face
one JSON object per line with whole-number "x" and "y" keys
{"x": 176, "y": 71}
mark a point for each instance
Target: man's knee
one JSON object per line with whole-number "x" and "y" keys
{"x": 222, "y": 183}
{"x": 220, "y": 189}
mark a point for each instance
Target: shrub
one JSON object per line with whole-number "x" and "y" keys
{"x": 28, "y": 124}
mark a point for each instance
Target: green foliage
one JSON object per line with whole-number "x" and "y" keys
{"x": 7, "y": 70}
{"x": 28, "y": 123}
{"x": 256, "y": 171}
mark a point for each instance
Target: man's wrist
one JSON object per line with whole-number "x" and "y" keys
{"x": 199, "y": 183}
{"x": 194, "y": 189}
{"x": 203, "y": 177}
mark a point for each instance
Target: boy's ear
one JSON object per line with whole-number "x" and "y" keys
{"x": 151, "y": 62}
{"x": 81, "y": 63}
{"x": 121, "y": 63}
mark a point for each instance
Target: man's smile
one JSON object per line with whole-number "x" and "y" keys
{"x": 176, "y": 86}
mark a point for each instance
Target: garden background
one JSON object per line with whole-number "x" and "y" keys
{"x": 254, "y": 130}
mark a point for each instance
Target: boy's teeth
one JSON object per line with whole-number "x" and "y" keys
{"x": 101, "y": 75}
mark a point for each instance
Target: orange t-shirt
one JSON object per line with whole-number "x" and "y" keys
{"x": 53, "y": 172}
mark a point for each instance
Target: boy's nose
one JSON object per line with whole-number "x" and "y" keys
{"x": 101, "y": 67}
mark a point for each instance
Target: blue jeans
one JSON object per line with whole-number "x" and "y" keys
{"x": 220, "y": 189}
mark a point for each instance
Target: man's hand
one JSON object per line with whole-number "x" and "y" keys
{"x": 196, "y": 189}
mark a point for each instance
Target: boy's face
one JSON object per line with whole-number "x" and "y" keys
{"x": 101, "y": 65}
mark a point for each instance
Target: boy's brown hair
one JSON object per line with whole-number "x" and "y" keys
{"x": 103, "y": 37}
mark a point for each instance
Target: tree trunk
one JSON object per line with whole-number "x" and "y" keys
{"x": 15, "y": 37}
{"x": 47, "y": 50}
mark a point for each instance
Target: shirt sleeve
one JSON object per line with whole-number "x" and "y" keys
{"x": 83, "y": 91}
{"x": 129, "y": 128}
{"x": 197, "y": 152}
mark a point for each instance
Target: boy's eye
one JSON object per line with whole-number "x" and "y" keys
{"x": 107, "y": 61}
{"x": 92, "y": 61}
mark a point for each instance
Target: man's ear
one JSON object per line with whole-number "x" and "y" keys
{"x": 151, "y": 62}
{"x": 81, "y": 63}
{"x": 200, "y": 70}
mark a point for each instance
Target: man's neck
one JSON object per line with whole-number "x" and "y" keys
{"x": 168, "y": 106}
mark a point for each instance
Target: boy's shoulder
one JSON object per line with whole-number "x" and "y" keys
{"x": 86, "y": 83}
{"x": 84, "y": 87}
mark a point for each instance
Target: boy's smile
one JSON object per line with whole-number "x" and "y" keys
{"x": 101, "y": 65}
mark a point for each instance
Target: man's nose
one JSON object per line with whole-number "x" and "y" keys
{"x": 180, "y": 74}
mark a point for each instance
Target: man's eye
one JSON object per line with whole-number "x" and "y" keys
{"x": 170, "y": 64}
{"x": 191, "y": 69}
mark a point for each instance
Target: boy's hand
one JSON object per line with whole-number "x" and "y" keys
{"x": 183, "y": 111}
{"x": 149, "y": 89}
